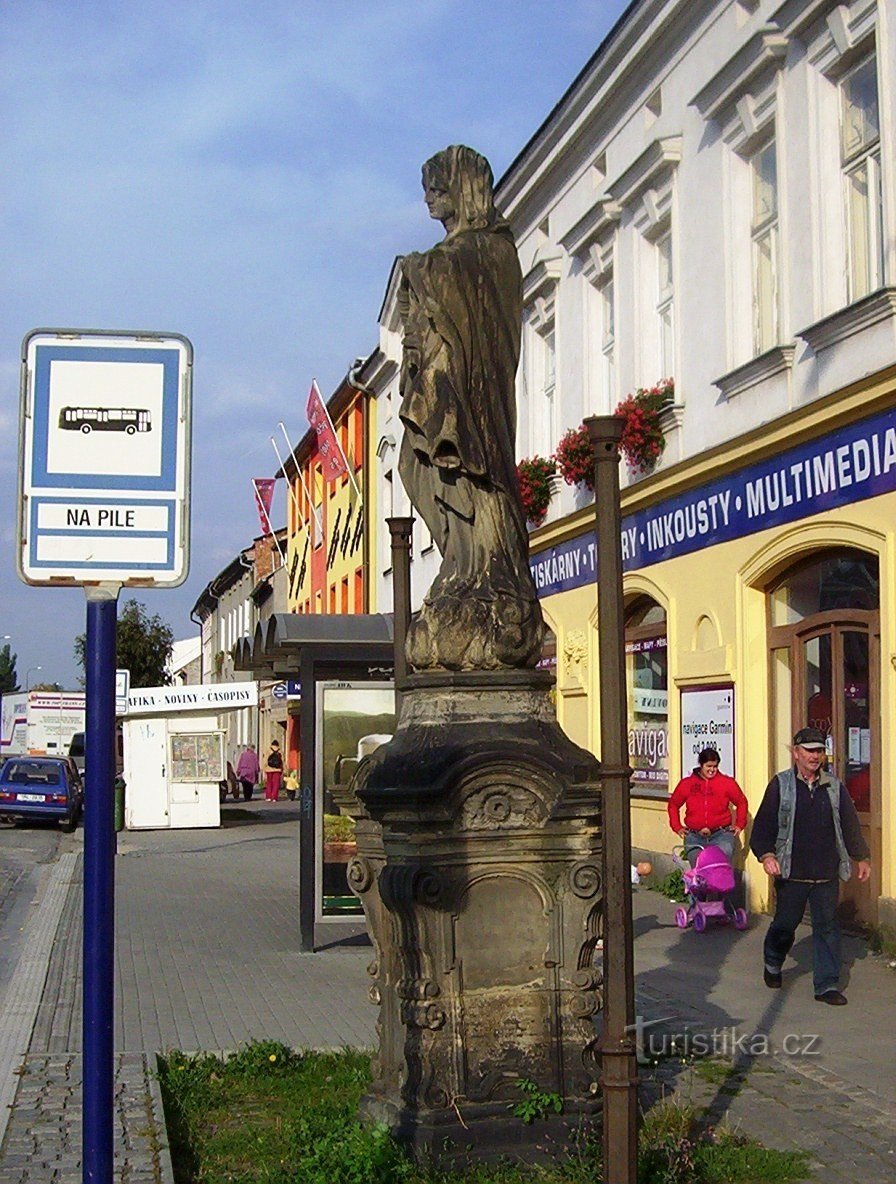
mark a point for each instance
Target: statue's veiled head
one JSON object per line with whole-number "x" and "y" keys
{"x": 460, "y": 189}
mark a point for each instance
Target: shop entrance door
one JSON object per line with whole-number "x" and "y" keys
{"x": 837, "y": 669}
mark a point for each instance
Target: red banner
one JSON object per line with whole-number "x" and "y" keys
{"x": 332, "y": 457}
{"x": 264, "y": 495}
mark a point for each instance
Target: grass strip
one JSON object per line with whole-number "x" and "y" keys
{"x": 270, "y": 1115}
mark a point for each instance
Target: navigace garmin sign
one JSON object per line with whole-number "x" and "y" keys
{"x": 104, "y": 458}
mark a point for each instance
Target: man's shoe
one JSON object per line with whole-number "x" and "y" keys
{"x": 835, "y": 998}
{"x": 771, "y": 978}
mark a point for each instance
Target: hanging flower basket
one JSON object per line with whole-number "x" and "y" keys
{"x": 643, "y": 439}
{"x": 575, "y": 458}
{"x": 534, "y": 476}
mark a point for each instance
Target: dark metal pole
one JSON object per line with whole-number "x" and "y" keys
{"x": 619, "y": 1073}
{"x": 401, "y": 530}
{"x": 99, "y": 886}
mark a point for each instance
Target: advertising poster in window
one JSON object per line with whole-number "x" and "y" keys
{"x": 648, "y": 722}
{"x": 197, "y": 756}
{"x": 354, "y": 718}
{"x": 707, "y": 721}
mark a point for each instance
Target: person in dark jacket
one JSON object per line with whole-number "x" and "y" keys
{"x": 807, "y": 834}
{"x": 707, "y": 796}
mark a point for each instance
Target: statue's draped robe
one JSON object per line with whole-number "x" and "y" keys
{"x": 462, "y": 308}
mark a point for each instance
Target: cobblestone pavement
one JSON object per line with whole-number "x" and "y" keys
{"x": 207, "y": 958}
{"x": 43, "y": 1138}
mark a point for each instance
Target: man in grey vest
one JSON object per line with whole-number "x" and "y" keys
{"x": 805, "y": 834}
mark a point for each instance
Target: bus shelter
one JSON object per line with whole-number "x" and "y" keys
{"x": 344, "y": 667}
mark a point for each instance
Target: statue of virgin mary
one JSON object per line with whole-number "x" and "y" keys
{"x": 461, "y": 305}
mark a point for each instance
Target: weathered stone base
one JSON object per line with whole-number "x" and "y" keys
{"x": 485, "y": 1132}
{"x": 479, "y": 870}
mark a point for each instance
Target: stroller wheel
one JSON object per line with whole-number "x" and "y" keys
{"x": 699, "y": 921}
{"x": 681, "y": 918}
{"x": 741, "y": 920}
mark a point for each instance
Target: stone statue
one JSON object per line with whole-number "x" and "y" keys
{"x": 461, "y": 305}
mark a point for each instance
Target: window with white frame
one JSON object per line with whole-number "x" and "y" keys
{"x": 607, "y": 305}
{"x": 665, "y": 305}
{"x": 548, "y": 363}
{"x": 860, "y": 158}
{"x": 543, "y": 404}
{"x": 597, "y": 259}
{"x": 764, "y": 234}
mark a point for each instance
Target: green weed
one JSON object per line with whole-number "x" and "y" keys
{"x": 536, "y": 1103}
{"x": 672, "y": 886}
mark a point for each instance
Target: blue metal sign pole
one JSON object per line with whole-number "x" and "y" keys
{"x": 99, "y": 884}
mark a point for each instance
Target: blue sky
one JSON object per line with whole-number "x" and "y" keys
{"x": 244, "y": 175}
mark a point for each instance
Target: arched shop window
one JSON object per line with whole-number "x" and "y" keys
{"x": 824, "y": 638}
{"x": 647, "y": 678}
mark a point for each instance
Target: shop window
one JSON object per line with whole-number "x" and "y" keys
{"x": 647, "y": 680}
{"x": 836, "y": 580}
{"x": 863, "y": 191}
{"x": 343, "y": 595}
{"x": 824, "y": 662}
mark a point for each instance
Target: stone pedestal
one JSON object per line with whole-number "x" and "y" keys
{"x": 478, "y": 867}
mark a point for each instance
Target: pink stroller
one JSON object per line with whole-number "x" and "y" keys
{"x": 708, "y": 884}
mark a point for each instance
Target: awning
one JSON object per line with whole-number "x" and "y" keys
{"x": 275, "y": 648}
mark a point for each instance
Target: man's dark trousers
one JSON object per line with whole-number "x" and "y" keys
{"x": 792, "y": 897}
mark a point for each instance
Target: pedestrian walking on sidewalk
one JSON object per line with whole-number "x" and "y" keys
{"x": 247, "y": 770}
{"x": 273, "y": 773}
{"x": 805, "y": 834}
{"x": 708, "y": 797}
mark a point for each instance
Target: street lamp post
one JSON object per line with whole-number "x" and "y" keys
{"x": 28, "y": 675}
{"x": 619, "y": 1072}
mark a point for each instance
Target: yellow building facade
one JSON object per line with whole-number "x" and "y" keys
{"x": 759, "y": 586}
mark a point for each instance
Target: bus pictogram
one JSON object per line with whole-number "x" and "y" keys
{"x": 105, "y": 419}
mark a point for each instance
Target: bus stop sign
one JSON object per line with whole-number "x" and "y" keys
{"x": 104, "y": 458}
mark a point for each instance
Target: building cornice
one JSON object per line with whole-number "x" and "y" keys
{"x": 644, "y": 173}
{"x": 542, "y": 276}
{"x": 766, "y": 50}
{"x": 592, "y": 226}
{"x": 766, "y": 365}
{"x": 614, "y": 79}
{"x": 879, "y": 306}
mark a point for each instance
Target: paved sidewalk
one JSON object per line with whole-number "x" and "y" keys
{"x": 789, "y": 1071}
{"x": 207, "y": 958}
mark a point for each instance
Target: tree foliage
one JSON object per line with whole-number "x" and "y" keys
{"x": 143, "y": 646}
{"x": 9, "y": 680}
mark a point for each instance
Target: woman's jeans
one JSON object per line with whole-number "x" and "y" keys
{"x": 694, "y": 843}
{"x": 792, "y": 896}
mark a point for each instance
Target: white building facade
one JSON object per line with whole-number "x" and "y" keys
{"x": 712, "y": 205}
{"x": 713, "y": 202}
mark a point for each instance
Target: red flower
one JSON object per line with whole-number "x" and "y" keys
{"x": 643, "y": 439}
{"x": 534, "y": 477}
{"x": 575, "y": 458}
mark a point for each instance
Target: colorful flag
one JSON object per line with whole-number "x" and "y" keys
{"x": 264, "y": 495}
{"x": 333, "y": 459}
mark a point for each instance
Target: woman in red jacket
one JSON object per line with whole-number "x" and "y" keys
{"x": 707, "y": 796}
